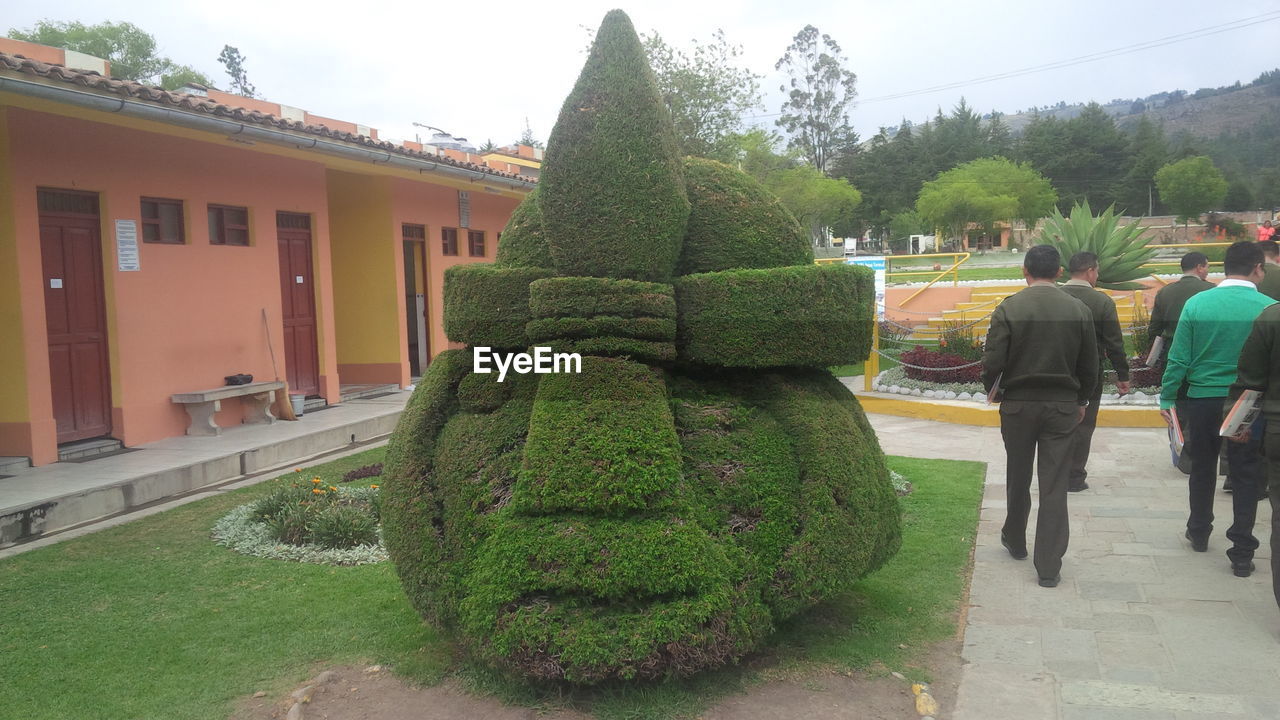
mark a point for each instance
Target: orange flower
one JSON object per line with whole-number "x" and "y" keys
{"x": 333, "y": 488}
{"x": 315, "y": 480}
{"x": 375, "y": 487}
{"x": 317, "y": 491}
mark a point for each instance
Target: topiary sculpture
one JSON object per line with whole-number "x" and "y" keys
{"x": 702, "y": 478}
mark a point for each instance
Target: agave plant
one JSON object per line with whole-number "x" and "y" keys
{"x": 1121, "y": 250}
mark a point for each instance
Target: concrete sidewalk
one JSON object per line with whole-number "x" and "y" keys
{"x": 1141, "y": 627}
{"x": 63, "y": 495}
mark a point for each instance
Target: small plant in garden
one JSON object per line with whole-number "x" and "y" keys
{"x": 949, "y": 366}
{"x": 958, "y": 338}
{"x": 1121, "y": 250}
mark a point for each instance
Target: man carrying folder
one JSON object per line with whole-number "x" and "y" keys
{"x": 1260, "y": 370}
{"x": 1042, "y": 351}
{"x": 1206, "y": 348}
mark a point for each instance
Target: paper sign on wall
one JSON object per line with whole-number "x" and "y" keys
{"x": 127, "y": 246}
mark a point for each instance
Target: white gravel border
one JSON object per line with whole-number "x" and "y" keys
{"x": 238, "y": 532}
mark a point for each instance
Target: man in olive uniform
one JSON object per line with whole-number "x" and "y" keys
{"x": 1270, "y": 284}
{"x": 1260, "y": 370}
{"x": 1042, "y": 354}
{"x": 1083, "y": 267}
{"x": 1171, "y": 298}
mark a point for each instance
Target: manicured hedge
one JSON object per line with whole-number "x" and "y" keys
{"x": 612, "y": 189}
{"x": 644, "y": 328}
{"x": 734, "y": 222}
{"x": 482, "y": 393}
{"x": 810, "y": 315}
{"x": 488, "y": 305}
{"x": 648, "y": 351}
{"x": 524, "y": 242}
{"x": 600, "y": 442}
{"x": 591, "y": 296}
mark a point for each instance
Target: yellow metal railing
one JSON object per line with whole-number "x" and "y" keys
{"x": 1178, "y": 263}
{"x": 958, "y": 259}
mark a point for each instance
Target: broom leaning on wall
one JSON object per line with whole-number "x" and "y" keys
{"x": 283, "y": 406}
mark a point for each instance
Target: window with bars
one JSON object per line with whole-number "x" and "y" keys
{"x": 228, "y": 225}
{"x": 413, "y": 232}
{"x": 449, "y": 241}
{"x": 68, "y": 202}
{"x": 475, "y": 243}
{"x": 162, "y": 221}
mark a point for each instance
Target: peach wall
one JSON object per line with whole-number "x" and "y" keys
{"x": 193, "y": 313}
{"x": 929, "y": 303}
{"x": 437, "y": 207}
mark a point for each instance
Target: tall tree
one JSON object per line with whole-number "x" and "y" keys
{"x": 527, "y": 137}
{"x": 820, "y": 92}
{"x": 820, "y": 203}
{"x": 130, "y": 50}
{"x": 1149, "y": 152}
{"x": 706, "y": 90}
{"x": 233, "y": 62}
{"x": 1086, "y": 157}
{"x": 1191, "y": 186}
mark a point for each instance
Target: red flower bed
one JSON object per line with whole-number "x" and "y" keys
{"x": 937, "y": 359}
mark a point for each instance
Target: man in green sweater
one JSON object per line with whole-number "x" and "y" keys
{"x": 1270, "y": 285}
{"x": 1206, "y": 348}
{"x": 1260, "y": 370}
{"x": 1083, "y": 267}
{"x": 1042, "y": 353}
{"x": 1171, "y": 298}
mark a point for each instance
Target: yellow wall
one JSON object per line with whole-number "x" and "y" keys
{"x": 365, "y": 247}
{"x": 13, "y": 372}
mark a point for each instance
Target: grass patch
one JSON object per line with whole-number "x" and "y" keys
{"x": 847, "y": 370}
{"x": 151, "y": 619}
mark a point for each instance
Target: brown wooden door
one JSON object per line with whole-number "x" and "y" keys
{"x": 298, "y": 302}
{"x": 75, "y": 315}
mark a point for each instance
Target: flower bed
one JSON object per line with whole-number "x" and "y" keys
{"x": 322, "y": 524}
{"x": 896, "y": 381}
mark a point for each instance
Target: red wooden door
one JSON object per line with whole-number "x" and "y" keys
{"x": 298, "y": 302}
{"x": 75, "y": 316}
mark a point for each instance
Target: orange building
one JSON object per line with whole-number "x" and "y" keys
{"x": 152, "y": 243}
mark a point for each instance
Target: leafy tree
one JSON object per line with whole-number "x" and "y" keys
{"x": 706, "y": 91}
{"x": 130, "y": 50}
{"x": 488, "y": 146}
{"x": 983, "y": 192}
{"x": 816, "y": 112}
{"x": 902, "y": 226}
{"x": 817, "y": 201}
{"x": 527, "y": 137}
{"x": 1086, "y": 157}
{"x": 1149, "y": 152}
{"x": 1239, "y": 196}
{"x": 233, "y": 62}
{"x": 1191, "y": 186}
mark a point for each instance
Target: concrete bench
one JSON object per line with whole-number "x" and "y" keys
{"x": 202, "y": 405}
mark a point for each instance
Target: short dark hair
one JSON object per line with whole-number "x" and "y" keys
{"x": 1193, "y": 260}
{"x": 1242, "y": 257}
{"x": 1082, "y": 261}
{"x": 1042, "y": 262}
{"x": 1270, "y": 248}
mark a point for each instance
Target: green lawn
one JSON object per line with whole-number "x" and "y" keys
{"x": 151, "y": 619}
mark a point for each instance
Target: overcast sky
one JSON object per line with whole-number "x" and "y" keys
{"x": 478, "y": 69}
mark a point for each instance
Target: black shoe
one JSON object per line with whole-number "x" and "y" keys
{"x": 1016, "y": 553}
{"x": 1242, "y": 568}
{"x": 1078, "y": 488}
{"x": 1198, "y": 544}
{"x": 1050, "y": 582}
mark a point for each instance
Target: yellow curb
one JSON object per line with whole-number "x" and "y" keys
{"x": 966, "y": 413}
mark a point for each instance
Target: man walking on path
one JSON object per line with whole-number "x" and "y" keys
{"x": 1270, "y": 285}
{"x": 1171, "y": 298}
{"x": 1206, "y": 348}
{"x": 1083, "y": 267}
{"x": 1041, "y": 353}
{"x": 1260, "y": 370}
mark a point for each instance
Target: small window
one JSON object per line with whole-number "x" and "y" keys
{"x": 475, "y": 243}
{"x": 413, "y": 232}
{"x": 449, "y": 241}
{"x": 162, "y": 221}
{"x": 228, "y": 225}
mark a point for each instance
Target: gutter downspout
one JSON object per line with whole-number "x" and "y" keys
{"x": 171, "y": 116}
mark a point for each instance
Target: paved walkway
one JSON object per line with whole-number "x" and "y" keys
{"x": 1141, "y": 627}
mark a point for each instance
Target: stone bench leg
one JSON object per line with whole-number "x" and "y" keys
{"x": 202, "y": 418}
{"x": 257, "y": 408}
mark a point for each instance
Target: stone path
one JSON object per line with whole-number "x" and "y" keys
{"x": 1141, "y": 627}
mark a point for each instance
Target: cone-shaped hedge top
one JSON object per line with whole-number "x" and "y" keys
{"x": 612, "y": 191}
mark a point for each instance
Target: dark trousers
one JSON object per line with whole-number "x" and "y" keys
{"x": 1272, "y": 448}
{"x": 1030, "y": 427}
{"x": 1203, "y": 444}
{"x": 1082, "y": 440}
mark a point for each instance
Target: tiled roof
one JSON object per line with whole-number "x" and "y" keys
{"x": 205, "y": 106}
